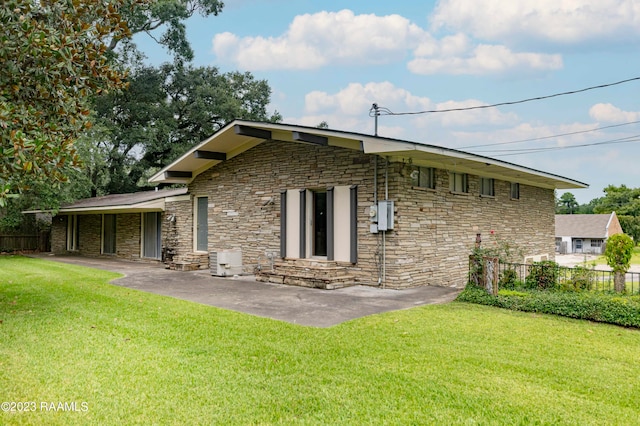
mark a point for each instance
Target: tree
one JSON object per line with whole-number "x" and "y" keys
{"x": 54, "y": 58}
{"x": 168, "y": 14}
{"x": 618, "y": 253}
{"x": 165, "y": 111}
{"x": 621, "y": 199}
{"x": 626, "y": 203}
{"x": 566, "y": 204}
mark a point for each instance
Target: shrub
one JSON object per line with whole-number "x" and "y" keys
{"x": 618, "y": 252}
{"x": 601, "y": 307}
{"x": 582, "y": 278}
{"x": 542, "y": 275}
{"x": 508, "y": 279}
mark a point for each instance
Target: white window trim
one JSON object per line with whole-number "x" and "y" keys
{"x": 142, "y": 237}
{"x": 511, "y": 191}
{"x": 102, "y": 238}
{"x": 493, "y": 187}
{"x": 73, "y": 241}
{"x": 195, "y": 223}
{"x": 452, "y": 189}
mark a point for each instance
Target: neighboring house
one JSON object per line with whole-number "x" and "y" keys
{"x": 585, "y": 233}
{"x": 131, "y": 226}
{"x": 326, "y": 208}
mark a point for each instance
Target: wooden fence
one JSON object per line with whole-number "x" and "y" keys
{"x": 12, "y": 243}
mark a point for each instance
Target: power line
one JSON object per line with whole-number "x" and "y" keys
{"x": 634, "y": 138}
{"x": 386, "y": 111}
{"x": 549, "y": 137}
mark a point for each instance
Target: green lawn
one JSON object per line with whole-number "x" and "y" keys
{"x": 635, "y": 258}
{"x": 135, "y": 358}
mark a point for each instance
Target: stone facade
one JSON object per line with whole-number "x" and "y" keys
{"x": 128, "y": 236}
{"x": 435, "y": 230}
{"x": 177, "y": 237}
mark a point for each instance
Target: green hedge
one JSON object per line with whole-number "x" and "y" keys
{"x": 601, "y": 307}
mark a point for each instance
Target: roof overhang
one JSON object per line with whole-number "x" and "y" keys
{"x": 240, "y": 136}
{"x": 156, "y": 205}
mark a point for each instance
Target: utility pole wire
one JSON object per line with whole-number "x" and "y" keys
{"x": 386, "y": 111}
{"x": 550, "y": 136}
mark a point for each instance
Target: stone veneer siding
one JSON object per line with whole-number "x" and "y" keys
{"x": 434, "y": 233}
{"x": 128, "y": 235}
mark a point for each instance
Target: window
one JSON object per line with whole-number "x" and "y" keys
{"x": 423, "y": 177}
{"x": 597, "y": 243}
{"x": 202, "y": 224}
{"x": 487, "y": 187}
{"x": 319, "y": 223}
{"x": 72, "y": 233}
{"x": 151, "y": 235}
{"x": 515, "y": 191}
{"x": 109, "y": 234}
{"x": 458, "y": 182}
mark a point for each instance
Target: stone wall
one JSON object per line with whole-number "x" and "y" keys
{"x": 59, "y": 234}
{"x": 177, "y": 235}
{"x": 128, "y": 235}
{"x": 436, "y": 230}
{"x": 434, "y": 233}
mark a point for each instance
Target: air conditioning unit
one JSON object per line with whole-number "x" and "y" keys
{"x": 225, "y": 263}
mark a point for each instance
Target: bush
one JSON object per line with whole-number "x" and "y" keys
{"x": 508, "y": 279}
{"x": 601, "y": 307}
{"x": 582, "y": 278}
{"x": 543, "y": 275}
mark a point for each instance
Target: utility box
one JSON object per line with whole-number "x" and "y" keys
{"x": 225, "y": 263}
{"x": 386, "y": 216}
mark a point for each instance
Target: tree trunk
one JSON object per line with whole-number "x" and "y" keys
{"x": 619, "y": 281}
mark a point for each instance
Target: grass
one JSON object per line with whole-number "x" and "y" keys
{"x": 635, "y": 258}
{"x": 136, "y": 358}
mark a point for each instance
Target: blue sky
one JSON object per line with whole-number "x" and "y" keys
{"x": 330, "y": 60}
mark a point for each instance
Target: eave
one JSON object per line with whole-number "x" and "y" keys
{"x": 240, "y": 136}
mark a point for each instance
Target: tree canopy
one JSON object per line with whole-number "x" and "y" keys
{"x": 165, "y": 111}
{"x": 566, "y": 204}
{"x": 167, "y": 15}
{"x": 54, "y": 59}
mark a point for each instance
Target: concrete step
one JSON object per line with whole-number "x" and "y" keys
{"x": 327, "y": 283}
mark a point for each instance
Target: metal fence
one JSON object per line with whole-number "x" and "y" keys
{"x": 515, "y": 275}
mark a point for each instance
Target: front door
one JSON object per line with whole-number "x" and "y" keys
{"x": 319, "y": 223}
{"x": 577, "y": 246}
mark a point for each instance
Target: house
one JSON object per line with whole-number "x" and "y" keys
{"x": 129, "y": 226}
{"x": 585, "y": 233}
{"x": 327, "y": 208}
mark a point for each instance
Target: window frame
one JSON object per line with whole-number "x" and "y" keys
{"x": 487, "y": 184}
{"x": 103, "y": 249}
{"x": 514, "y": 187}
{"x": 464, "y": 183}
{"x": 429, "y": 174}
{"x": 196, "y": 218}
{"x": 73, "y": 233}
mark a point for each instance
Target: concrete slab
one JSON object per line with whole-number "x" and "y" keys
{"x": 297, "y": 305}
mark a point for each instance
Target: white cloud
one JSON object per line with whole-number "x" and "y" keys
{"x": 357, "y": 99}
{"x": 461, "y": 58}
{"x": 555, "y": 21}
{"x": 313, "y": 40}
{"x": 343, "y": 38}
{"x": 609, "y": 113}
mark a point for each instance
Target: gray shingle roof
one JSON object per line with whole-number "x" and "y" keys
{"x": 582, "y": 225}
{"x": 125, "y": 199}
